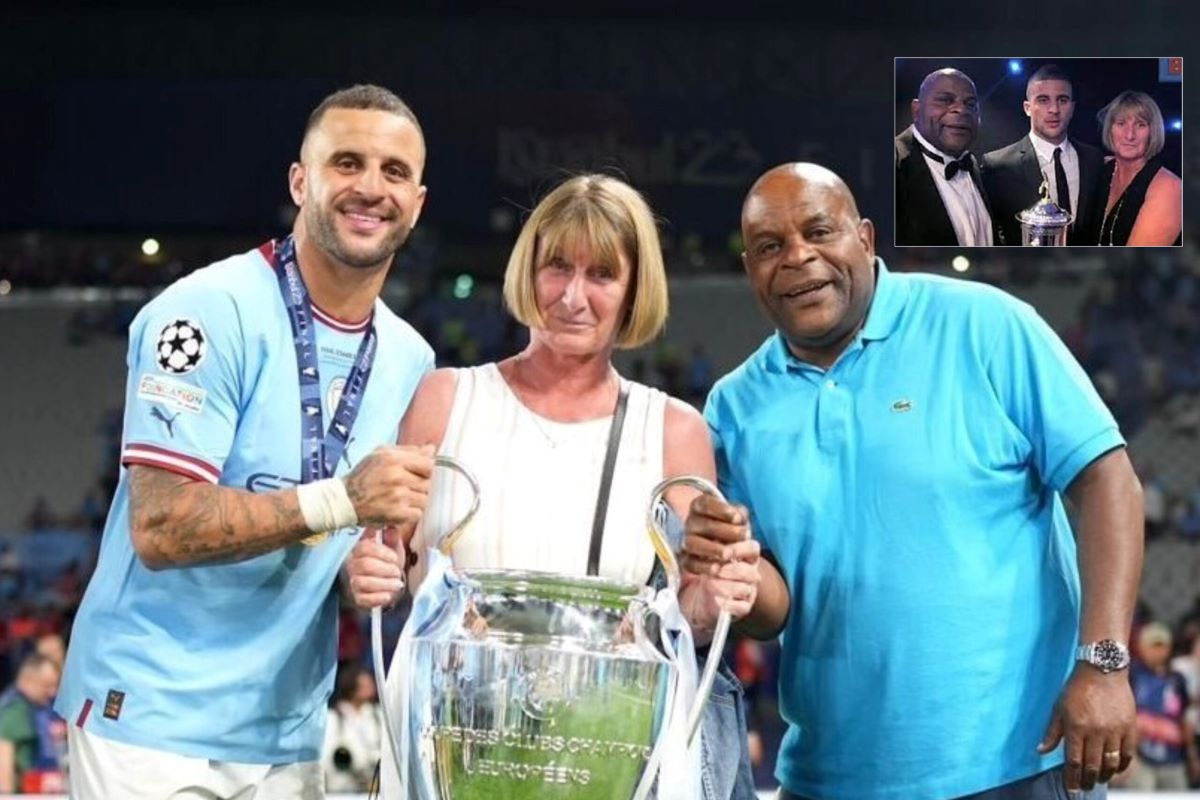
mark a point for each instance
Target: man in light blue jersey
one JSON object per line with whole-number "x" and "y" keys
{"x": 903, "y": 443}
{"x": 263, "y": 398}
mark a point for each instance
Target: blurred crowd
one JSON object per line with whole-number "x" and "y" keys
{"x": 1166, "y": 684}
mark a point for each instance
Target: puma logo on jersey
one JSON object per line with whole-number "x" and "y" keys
{"x": 162, "y": 417}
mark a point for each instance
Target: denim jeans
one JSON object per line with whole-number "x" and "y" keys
{"x": 725, "y": 754}
{"x": 1046, "y": 785}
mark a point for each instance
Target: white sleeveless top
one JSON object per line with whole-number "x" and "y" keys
{"x": 539, "y": 480}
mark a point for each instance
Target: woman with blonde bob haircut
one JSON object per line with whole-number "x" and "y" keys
{"x": 586, "y": 276}
{"x": 1145, "y": 199}
{"x": 615, "y": 218}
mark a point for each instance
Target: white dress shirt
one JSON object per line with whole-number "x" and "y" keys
{"x": 1070, "y": 162}
{"x": 961, "y": 197}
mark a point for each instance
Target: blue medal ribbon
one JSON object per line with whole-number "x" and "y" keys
{"x": 320, "y": 448}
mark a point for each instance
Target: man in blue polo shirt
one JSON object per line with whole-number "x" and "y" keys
{"x": 903, "y": 444}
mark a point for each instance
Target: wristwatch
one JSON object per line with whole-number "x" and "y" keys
{"x": 1106, "y": 655}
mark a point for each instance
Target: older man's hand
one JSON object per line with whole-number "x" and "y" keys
{"x": 716, "y": 533}
{"x": 1097, "y": 717}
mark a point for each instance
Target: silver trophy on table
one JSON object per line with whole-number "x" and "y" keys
{"x": 522, "y": 684}
{"x": 1044, "y": 224}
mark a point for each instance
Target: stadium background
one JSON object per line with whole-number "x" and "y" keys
{"x": 128, "y": 122}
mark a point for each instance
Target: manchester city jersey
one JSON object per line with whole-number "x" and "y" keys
{"x": 233, "y": 662}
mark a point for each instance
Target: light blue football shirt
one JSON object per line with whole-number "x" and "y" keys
{"x": 232, "y": 662}
{"x": 911, "y": 496}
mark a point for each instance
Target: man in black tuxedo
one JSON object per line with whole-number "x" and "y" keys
{"x": 939, "y": 193}
{"x": 1012, "y": 175}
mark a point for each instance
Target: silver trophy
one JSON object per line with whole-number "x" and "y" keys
{"x": 522, "y": 684}
{"x": 1044, "y": 224}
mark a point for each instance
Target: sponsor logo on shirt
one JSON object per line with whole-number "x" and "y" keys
{"x": 113, "y": 703}
{"x": 266, "y": 482}
{"x": 902, "y": 406}
{"x": 171, "y": 392}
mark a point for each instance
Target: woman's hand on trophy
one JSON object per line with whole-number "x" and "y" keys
{"x": 391, "y": 485}
{"x": 375, "y": 570}
{"x": 733, "y": 586}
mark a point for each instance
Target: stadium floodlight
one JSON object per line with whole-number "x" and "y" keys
{"x": 150, "y": 247}
{"x": 1014, "y": 66}
{"x": 960, "y": 264}
{"x": 463, "y": 285}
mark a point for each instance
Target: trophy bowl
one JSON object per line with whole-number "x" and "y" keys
{"x": 523, "y": 684}
{"x": 535, "y": 685}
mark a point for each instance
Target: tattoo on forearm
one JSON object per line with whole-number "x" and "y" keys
{"x": 353, "y": 490}
{"x": 185, "y": 522}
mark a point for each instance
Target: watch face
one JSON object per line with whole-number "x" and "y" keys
{"x": 1109, "y": 656}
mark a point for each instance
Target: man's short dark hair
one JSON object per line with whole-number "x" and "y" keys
{"x": 1049, "y": 72}
{"x": 367, "y": 97}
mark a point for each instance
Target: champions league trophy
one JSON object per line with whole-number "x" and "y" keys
{"x": 1044, "y": 224}
{"x": 521, "y": 684}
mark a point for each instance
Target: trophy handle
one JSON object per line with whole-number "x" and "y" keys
{"x": 446, "y": 542}
{"x": 671, "y": 566}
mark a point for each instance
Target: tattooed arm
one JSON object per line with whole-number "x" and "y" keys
{"x": 180, "y": 522}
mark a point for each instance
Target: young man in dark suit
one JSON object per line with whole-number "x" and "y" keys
{"x": 940, "y": 198}
{"x": 1012, "y": 175}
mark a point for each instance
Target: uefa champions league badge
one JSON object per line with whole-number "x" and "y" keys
{"x": 181, "y": 347}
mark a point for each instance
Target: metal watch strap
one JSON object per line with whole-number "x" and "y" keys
{"x": 1106, "y": 655}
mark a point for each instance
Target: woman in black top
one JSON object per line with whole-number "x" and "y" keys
{"x": 1145, "y": 199}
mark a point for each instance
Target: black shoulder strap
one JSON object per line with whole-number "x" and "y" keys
{"x": 610, "y": 463}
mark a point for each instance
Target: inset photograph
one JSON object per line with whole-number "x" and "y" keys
{"x": 1038, "y": 152}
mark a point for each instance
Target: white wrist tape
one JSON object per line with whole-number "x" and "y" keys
{"x": 326, "y": 506}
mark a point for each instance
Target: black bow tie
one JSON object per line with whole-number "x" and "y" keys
{"x": 961, "y": 164}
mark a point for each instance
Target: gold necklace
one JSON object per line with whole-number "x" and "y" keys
{"x": 1116, "y": 209}
{"x": 1111, "y": 222}
{"x": 571, "y": 430}
{"x": 568, "y": 431}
